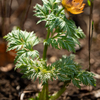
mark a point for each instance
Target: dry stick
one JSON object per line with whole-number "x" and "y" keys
{"x": 18, "y": 2}
{"x": 90, "y": 19}
{"x": 4, "y": 17}
{"x": 1, "y": 17}
{"x": 91, "y": 34}
{"x": 10, "y": 10}
{"x": 19, "y": 11}
{"x": 0, "y": 11}
{"x": 26, "y": 13}
{"x": 1, "y": 8}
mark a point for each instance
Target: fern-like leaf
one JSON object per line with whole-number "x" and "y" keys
{"x": 23, "y": 43}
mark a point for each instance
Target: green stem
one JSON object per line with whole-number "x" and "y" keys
{"x": 60, "y": 11}
{"x": 44, "y": 93}
{"x": 90, "y": 20}
{"x": 46, "y": 46}
{"x": 61, "y": 91}
{"x": 91, "y": 34}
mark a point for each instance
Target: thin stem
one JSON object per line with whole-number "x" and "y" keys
{"x": 62, "y": 90}
{"x": 22, "y": 7}
{"x": 44, "y": 93}
{"x": 46, "y": 46}
{"x": 0, "y": 8}
{"x": 4, "y": 18}
{"x": 91, "y": 34}
{"x": 10, "y": 10}
{"x": 18, "y": 2}
{"x": 90, "y": 19}
{"x": 27, "y": 13}
{"x": 60, "y": 11}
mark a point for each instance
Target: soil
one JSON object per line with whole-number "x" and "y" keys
{"x": 12, "y": 86}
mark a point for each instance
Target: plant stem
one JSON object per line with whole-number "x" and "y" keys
{"x": 92, "y": 34}
{"x": 62, "y": 90}
{"x": 44, "y": 93}
{"x": 90, "y": 19}
{"x": 60, "y": 11}
{"x": 46, "y": 46}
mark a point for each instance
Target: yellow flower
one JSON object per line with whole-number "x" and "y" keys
{"x": 73, "y": 6}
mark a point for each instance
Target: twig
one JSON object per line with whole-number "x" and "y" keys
{"x": 26, "y": 13}
{"x": 10, "y": 10}
{"x": 22, "y": 94}
{"x": 0, "y": 8}
{"x": 19, "y": 11}
{"x": 4, "y": 17}
{"x": 18, "y": 2}
{"x": 1, "y": 16}
{"x": 90, "y": 36}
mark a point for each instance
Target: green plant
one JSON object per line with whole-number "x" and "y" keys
{"x": 61, "y": 34}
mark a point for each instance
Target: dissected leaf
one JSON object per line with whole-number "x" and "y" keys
{"x": 67, "y": 34}
{"x": 67, "y": 69}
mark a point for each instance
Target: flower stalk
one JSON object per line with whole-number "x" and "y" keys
{"x": 44, "y": 93}
{"x": 90, "y": 35}
{"x": 46, "y": 46}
